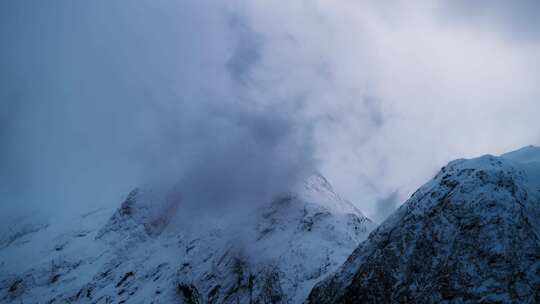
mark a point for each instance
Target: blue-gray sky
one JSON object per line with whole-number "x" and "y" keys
{"x": 237, "y": 100}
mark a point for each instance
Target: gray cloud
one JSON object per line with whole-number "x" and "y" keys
{"x": 517, "y": 19}
{"x": 386, "y": 205}
{"x": 113, "y": 95}
{"x": 234, "y": 102}
{"x": 247, "y": 51}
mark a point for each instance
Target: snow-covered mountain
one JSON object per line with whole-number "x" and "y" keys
{"x": 146, "y": 251}
{"x": 470, "y": 235}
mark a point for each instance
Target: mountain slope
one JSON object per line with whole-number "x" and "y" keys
{"x": 146, "y": 252}
{"x": 470, "y": 235}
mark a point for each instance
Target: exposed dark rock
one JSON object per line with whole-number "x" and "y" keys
{"x": 189, "y": 293}
{"x": 468, "y": 236}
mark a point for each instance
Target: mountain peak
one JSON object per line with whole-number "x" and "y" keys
{"x": 524, "y": 154}
{"x": 469, "y": 235}
{"x": 151, "y": 249}
{"x": 527, "y": 159}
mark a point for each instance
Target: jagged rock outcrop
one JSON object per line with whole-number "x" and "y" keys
{"x": 143, "y": 214}
{"x": 471, "y": 235}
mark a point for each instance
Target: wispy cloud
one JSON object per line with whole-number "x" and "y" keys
{"x": 236, "y": 101}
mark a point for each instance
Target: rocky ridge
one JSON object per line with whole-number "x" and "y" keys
{"x": 470, "y": 235}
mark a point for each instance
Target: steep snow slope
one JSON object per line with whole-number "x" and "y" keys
{"x": 470, "y": 235}
{"x": 44, "y": 258}
{"x": 528, "y": 160}
{"x": 145, "y": 253}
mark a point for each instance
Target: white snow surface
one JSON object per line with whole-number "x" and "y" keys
{"x": 528, "y": 160}
{"x": 140, "y": 253}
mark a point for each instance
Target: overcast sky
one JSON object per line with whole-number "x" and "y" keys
{"x": 234, "y": 101}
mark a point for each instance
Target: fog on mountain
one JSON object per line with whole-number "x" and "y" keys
{"x": 276, "y": 152}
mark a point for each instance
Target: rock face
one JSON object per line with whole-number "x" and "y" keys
{"x": 297, "y": 239}
{"x": 470, "y": 235}
{"x": 143, "y": 253}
